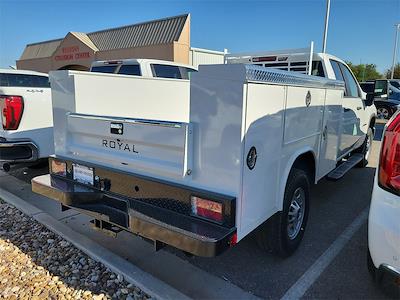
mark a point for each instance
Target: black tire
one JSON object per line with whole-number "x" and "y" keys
{"x": 273, "y": 236}
{"x": 365, "y": 149}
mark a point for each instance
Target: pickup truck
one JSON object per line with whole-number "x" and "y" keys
{"x": 143, "y": 67}
{"x": 27, "y": 118}
{"x": 386, "y": 94}
{"x": 199, "y": 164}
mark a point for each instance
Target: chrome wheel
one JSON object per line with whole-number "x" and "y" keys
{"x": 382, "y": 113}
{"x": 296, "y": 213}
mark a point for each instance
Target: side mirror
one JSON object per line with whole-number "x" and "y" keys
{"x": 369, "y": 100}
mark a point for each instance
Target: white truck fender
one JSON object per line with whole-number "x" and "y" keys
{"x": 286, "y": 170}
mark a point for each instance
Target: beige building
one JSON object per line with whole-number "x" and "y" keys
{"x": 167, "y": 39}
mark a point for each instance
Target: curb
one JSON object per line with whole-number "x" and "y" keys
{"x": 132, "y": 274}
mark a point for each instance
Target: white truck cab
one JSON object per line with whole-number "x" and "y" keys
{"x": 144, "y": 67}
{"x": 198, "y": 164}
{"x": 27, "y": 117}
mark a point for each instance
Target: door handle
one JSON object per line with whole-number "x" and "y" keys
{"x": 359, "y": 107}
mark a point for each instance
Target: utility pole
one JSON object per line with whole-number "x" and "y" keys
{"x": 328, "y": 8}
{"x": 363, "y": 70}
{"x": 395, "y": 49}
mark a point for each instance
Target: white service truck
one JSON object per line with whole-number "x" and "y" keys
{"x": 26, "y": 133}
{"x": 199, "y": 164}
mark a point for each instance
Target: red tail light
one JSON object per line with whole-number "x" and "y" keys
{"x": 207, "y": 209}
{"x": 12, "y": 108}
{"x": 389, "y": 164}
{"x": 58, "y": 168}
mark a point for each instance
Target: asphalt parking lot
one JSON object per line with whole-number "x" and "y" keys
{"x": 338, "y": 259}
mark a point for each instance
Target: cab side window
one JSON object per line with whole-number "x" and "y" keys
{"x": 344, "y": 74}
{"x": 336, "y": 70}
{"x": 351, "y": 83}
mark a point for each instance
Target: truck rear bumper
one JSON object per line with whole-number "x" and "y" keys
{"x": 184, "y": 232}
{"x": 18, "y": 151}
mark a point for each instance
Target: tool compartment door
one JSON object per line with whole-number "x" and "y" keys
{"x": 263, "y": 132}
{"x": 304, "y": 116}
{"x": 145, "y": 146}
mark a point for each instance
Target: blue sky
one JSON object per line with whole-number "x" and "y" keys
{"x": 360, "y": 30}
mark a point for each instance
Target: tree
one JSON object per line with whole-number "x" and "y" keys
{"x": 365, "y": 72}
{"x": 396, "y": 72}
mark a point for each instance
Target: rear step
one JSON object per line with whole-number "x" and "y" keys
{"x": 344, "y": 167}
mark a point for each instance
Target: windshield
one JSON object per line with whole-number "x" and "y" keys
{"x": 104, "y": 69}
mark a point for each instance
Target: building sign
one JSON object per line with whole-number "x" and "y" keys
{"x": 71, "y": 53}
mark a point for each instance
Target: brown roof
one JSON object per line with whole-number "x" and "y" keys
{"x": 40, "y": 50}
{"x": 162, "y": 31}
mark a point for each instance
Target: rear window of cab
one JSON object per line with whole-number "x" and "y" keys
{"x": 24, "y": 80}
{"x": 130, "y": 70}
{"x": 104, "y": 69}
{"x": 168, "y": 71}
{"x": 158, "y": 70}
{"x": 118, "y": 69}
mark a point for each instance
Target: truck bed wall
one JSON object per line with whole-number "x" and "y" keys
{"x": 216, "y": 114}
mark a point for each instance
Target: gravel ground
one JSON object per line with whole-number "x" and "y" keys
{"x": 35, "y": 263}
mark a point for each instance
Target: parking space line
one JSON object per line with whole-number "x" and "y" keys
{"x": 297, "y": 290}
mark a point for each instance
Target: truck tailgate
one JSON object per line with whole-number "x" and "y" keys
{"x": 132, "y": 144}
{"x": 151, "y": 113}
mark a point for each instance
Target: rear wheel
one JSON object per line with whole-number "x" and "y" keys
{"x": 283, "y": 232}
